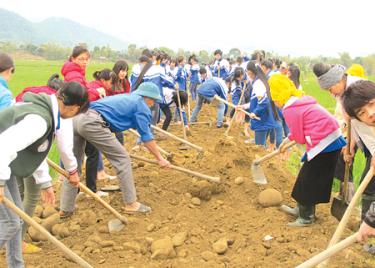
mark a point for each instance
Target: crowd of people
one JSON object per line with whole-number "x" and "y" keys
{"x": 88, "y": 118}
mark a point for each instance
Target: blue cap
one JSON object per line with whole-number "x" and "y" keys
{"x": 150, "y": 90}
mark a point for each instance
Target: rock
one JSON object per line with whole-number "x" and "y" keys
{"x": 115, "y": 226}
{"x": 208, "y": 255}
{"x": 133, "y": 246}
{"x": 202, "y": 189}
{"x": 38, "y": 211}
{"x": 196, "y": 201}
{"x": 48, "y": 211}
{"x": 179, "y": 239}
{"x": 220, "y": 246}
{"x": 162, "y": 249}
{"x": 188, "y": 195}
{"x": 103, "y": 229}
{"x": 63, "y": 232}
{"x": 102, "y": 261}
{"x": 182, "y": 253}
{"x": 90, "y": 244}
{"x": 151, "y": 227}
{"x": 94, "y": 238}
{"x": 266, "y": 244}
{"x": 149, "y": 240}
{"x": 74, "y": 227}
{"x": 270, "y": 198}
{"x": 36, "y": 235}
{"x": 239, "y": 180}
{"x": 106, "y": 243}
{"x": 88, "y": 218}
{"x": 51, "y": 221}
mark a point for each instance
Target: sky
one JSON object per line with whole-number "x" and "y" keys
{"x": 286, "y": 27}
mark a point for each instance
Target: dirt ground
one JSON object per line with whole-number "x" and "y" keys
{"x": 225, "y": 218}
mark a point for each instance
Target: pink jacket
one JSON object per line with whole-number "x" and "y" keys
{"x": 310, "y": 124}
{"x": 72, "y": 72}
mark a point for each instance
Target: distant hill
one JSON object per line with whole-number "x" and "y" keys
{"x": 62, "y": 31}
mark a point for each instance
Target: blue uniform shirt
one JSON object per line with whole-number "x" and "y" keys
{"x": 6, "y": 98}
{"x": 125, "y": 111}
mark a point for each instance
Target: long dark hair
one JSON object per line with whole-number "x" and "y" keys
{"x": 105, "y": 74}
{"x": 238, "y": 71}
{"x": 295, "y": 74}
{"x": 120, "y": 65}
{"x": 255, "y": 69}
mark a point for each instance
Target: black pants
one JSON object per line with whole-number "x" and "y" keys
{"x": 92, "y": 155}
{"x": 120, "y": 137}
{"x": 168, "y": 116}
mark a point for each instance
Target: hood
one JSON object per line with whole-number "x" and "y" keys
{"x": 303, "y": 101}
{"x": 71, "y": 67}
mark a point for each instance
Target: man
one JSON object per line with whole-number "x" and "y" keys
{"x": 220, "y": 67}
{"x": 26, "y": 134}
{"x": 115, "y": 114}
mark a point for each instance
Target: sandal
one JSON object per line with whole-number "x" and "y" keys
{"x": 143, "y": 209}
{"x": 65, "y": 214}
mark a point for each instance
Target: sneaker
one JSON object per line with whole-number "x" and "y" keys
{"x": 219, "y": 125}
{"x": 300, "y": 222}
{"x": 102, "y": 194}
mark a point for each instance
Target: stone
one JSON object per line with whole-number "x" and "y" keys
{"x": 103, "y": 229}
{"x": 202, "y": 189}
{"x": 151, "y": 227}
{"x": 220, "y": 246}
{"x": 36, "y": 235}
{"x": 208, "y": 255}
{"x": 196, "y": 201}
{"x": 162, "y": 249}
{"x": 239, "y": 180}
{"x": 115, "y": 226}
{"x": 106, "y": 243}
{"x": 179, "y": 239}
{"x": 182, "y": 253}
{"x": 38, "y": 211}
{"x": 48, "y": 211}
{"x": 270, "y": 198}
{"x": 88, "y": 218}
{"x": 49, "y": 222}
{"x": 133, "y": 246}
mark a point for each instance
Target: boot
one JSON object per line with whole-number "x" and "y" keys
{"x": 290, "y": 210}
{"x": 306, "y": 216}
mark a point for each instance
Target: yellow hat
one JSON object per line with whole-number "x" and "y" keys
{"x": 282, "y": 88}
{"x": 356, "y": 70}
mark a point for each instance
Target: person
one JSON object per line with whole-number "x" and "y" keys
{"x": 194, "y": 76}
{"x": 263, "y": 111}
{"x": 312, "y": 125}
{"x": 7, "y": 70}
{"x": 220, "y": 68}
{"x": 113, "y": 114}
{"x": 358, "y": 101}
{"x": 203, "y": 76}
{"x": 21, "y": 155}
{"x": 180, "y": 75}
{"x": 171, "y": 99}
{"x": 294, "y": 74}
{"x": 75, "y": 68}
{"x": 98, "y": 89}
{"x": 284, "y": 68}
{"x": 120, "y": 83}
{"x": 335, "y": 79}
{"x": 206, "y": 92}
{"x": 237, "y": 87}
{"x": 266, "y": 66}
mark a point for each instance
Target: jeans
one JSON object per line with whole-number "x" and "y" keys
{"x": 220, "y": 110}
{"x": 91, "y": 127}
{"x": 168, "y": 116}
{"x": 11, "y": 226}
{"x": 30, "y": 195}
{"x": 276, "y": 134}
{"x": 193, "y": 90}
{"x": 261, "y": 137}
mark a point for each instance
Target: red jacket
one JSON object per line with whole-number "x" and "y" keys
{"x": 36, "y": 90}
{"x": 72, "y": 72}
{"x": 125, "y": 88}
{"x": 92, "y": 90}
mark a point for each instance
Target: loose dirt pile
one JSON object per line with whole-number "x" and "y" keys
{"x": 195, "y": 223}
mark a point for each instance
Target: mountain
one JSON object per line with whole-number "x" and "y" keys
{"x": 65, "y": 32}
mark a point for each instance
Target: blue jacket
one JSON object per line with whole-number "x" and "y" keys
{"x": 156, "y": 74}
{"x": 125, "y": 111}
{"x": 260, "y": 105}
{"x": 223, "y": 65}
{"x": 213, "y": 86}
{"x": 194, "y": 71}
{"x": 181, "y": 77}
{"x": 6, "y": 98}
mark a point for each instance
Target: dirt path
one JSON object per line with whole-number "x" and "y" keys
{"x": 229, "y": 212}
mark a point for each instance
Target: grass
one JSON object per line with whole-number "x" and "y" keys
{"x": 36, "y": 73}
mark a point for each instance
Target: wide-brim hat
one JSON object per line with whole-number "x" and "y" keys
{"x": 150, "y": 90}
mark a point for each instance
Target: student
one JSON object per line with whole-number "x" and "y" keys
{"x": 312, "y": 125}
{"x": 220, "y": 68}
{"x": 206, "y": 93}
{"x": 75, "y": 68}
{"x": 335, "y": 79}
{"x": 120, "y": 83}
{"x": 294, "y": 74}
{"x": 7, "y": 70}
{"x": 21, "y": 155}
{"x": 266, "y": 66}
{"x": 260, "y": 105}
{"x": 181, "y": 74}
{"x": 171, "y": 99}
{"x": 203, "y": 75}
{"x": 358, "y": 101}
{"x": 113, "y": 114}
{"x": 237, "y": 87}
{"x": 102, "y": 85}
{"x": 283, "y": 68}
{"x": 194, "y": 76}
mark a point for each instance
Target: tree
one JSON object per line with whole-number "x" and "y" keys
{"x": 234, "y": 53}
{"x": 345, "y": 59}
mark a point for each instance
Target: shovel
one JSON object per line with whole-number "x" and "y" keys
{"x": 256, "y": 169}
{"x": 340, "y": 203}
